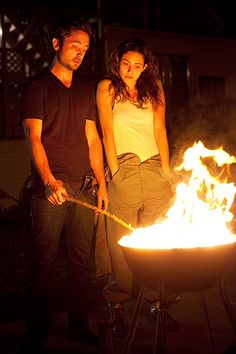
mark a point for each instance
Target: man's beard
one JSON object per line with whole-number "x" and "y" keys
{"x": 68, "y": 66}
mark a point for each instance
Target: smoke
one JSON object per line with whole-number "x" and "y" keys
{"x": 213, "y": 130}
{"x": 189, "y": 128}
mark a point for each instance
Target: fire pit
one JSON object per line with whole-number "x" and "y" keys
{"x": 192, "y": 247}
{"x": 180, "y": 270}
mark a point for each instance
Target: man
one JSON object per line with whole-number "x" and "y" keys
{"x": 59, "y": 123}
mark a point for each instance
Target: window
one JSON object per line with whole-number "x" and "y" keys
{"x": 175, "y": 75}
{"x": 178, "y": 82}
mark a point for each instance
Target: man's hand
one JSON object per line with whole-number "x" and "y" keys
{"x": 102, "y": 197}
{"x": 55, "y": 191}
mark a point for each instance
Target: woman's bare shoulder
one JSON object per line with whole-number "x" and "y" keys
{"x": 105, "y": 90}
{"x": 104, "y": 84}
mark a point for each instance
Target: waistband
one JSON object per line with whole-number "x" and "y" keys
{"x": 156, "y": 159}
{"x": 153, "y": 160}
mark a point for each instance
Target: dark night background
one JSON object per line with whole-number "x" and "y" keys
{"x": 214, "y": 18}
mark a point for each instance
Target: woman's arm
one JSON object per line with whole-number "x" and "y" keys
{"x": 104, "y": 104}
{"x": 160, "y": 131}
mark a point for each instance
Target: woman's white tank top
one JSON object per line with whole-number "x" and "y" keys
{"x": 134, "y": 130}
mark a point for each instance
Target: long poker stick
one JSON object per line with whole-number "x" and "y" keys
{"x": 100, "y": 211}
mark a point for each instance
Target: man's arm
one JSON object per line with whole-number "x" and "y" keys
{"x": 53, "y": 188}
{"x": 96, "y": 161}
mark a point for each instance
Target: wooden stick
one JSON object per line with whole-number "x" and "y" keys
{"x": 100, "y": 211}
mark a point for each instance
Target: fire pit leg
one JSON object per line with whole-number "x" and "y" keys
{"x": 207, "y": 320}
{"x": 226, "y": 303}
{"x": 159, "y": 346}
{"x": 134, "y": 322}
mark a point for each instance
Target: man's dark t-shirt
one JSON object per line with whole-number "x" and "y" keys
{"x": 63, "y": 111}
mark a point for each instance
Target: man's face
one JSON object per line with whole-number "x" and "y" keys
{"x": 71, "y": 53}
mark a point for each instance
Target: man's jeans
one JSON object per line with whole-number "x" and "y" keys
{"x": 48, "y": 222}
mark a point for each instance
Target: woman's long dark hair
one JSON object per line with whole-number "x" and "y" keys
{"x": 147, "y": 87}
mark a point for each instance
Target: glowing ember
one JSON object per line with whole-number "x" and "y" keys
{"x": 201, "y": 209}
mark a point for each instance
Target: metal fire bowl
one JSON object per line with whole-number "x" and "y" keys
{"x": 182, "y": 269}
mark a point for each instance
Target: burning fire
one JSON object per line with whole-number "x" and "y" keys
{"x": 201, "y": 211}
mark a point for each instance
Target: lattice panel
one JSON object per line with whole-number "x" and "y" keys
{"x": 14, "y": 62}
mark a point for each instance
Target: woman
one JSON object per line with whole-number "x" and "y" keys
{"x": 131, "y": 108}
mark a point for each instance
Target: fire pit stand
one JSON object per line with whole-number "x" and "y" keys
{"x": 159, "y": 344}
{"x": 160, "y": 326}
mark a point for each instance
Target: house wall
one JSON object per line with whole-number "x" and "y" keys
{"x": 15, "y": 168}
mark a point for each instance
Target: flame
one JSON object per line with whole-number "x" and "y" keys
{"x": 201, "y": 210}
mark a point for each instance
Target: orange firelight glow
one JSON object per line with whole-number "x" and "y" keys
{"x": 201, "y": 210}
